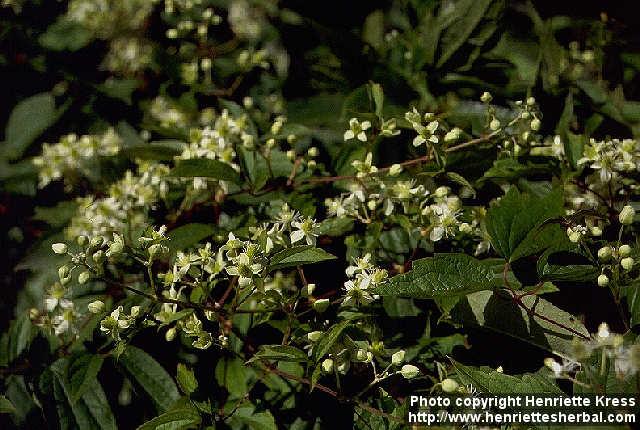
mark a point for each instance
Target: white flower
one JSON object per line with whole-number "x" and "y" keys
{"x": 357, "y": 129}
{"x": 306, "y": 229}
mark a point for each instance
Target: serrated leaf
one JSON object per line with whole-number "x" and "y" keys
{"x": 179, "y": 419}
{"x": 443, "y": 275}
{"x": 186, "y": 379}
{"x": 516, "y": 215}
{"x": 496, "y": 311}
{"x": 205, "y": 168}
{"x": 279, "y": 353}
{"x": 82, "y": 371}
{"x": 151, "y": 376}
{"x": 489, "y": 381}
{"x": 298, "y": 256}
{"x": 188, "y": 235}
{"x": 322, "y": 347}
{"x": 28, "y": 120}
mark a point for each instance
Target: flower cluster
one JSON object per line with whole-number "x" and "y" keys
{"x": 73, "y": 154}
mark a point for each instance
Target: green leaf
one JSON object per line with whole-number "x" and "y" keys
{"x": 298, "y": 256}
{"x": 442, "y": 275}
{"x": 335, "y": 227}
{"x": 186, "y": 379}
{"x": 58, "y": 215}
{"x": 16, "y": 339}
{"x": 516, "y": 215}
{"x": 188, "y": 235}
{"x": 499, "y": 312}
{"x": 156, "y": 150}
{"x": 146, "y": 371}
{"x": 322, "y": 347}
{"x": 205, "y": 168}
{"x": 279, "y": 353}
{"x": 457, "y": 33}
{"x": 91, "y": 410}
{"x": 28, "y": 120}
{"x": 232, "y": 374}
{"x": 6, "y": 407}
{"x": 83, "y": 371}
{"x": 373, "y": 29}
{"x": 65, "y": 35}
{"x": 255, "y": 421}
{"x": 488, "y": 381}
{"x": 459, "y": 179}
{"x": 378, "y": 98}
{"x": 178, "y": 419}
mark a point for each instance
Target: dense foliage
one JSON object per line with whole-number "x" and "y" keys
{"x": 260, "y": 214}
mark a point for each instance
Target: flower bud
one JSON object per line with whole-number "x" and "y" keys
{"x": 327, "y": 365}
{"x": 627, "y": 263}
{"x": 361, "y": 355}
{"x": 312, "y": 152}
{"x": 343, "y": 367}
{"x": 314, "y": 336}
{"x": 310, "y": 289}
{"x": 409, "y": 371}
{"x": 135, "y": 311}
{"x": 604, "y": 253}
{"x": 63, "y": 272}
{"x": 395, "y": 170}
{"x": 115, "y": 249}
{"x": 84, "y": 277}
{"x": 535, "y": 124}
{"x": 321, "y": 305}
{"x": 603, "y": 280}
{"x": 397, "y": 357}
{"x": 494, "y": 124}
{"x": 291, "y": 154}
{"x": 82, "y": 240}
{"x": 170, "y": 334}
{"x": 626, "y": 215}
{"x": 59, "y": 248}
{"x": 98, "y": 256}
{"x": 531, "y": 101}
{"x": 486, "y": 97}
{"x": 291, "y": 139}
{"x": 96, "y": 307}
{"x": 449, "y": 385}
{"x": 96, "y": 241}
{"x": 596, "y": 231}
{"x": 624, "y": 251}
{"x": 311, "y": 164}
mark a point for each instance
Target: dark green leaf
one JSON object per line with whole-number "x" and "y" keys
{"x": 489, "y": 381}
{"x": 6, "y": 407}
{"x": 298, "y": 256}
{"x": 188, "y": 235}
{"x": 186, "y": 379}
{"x": 205, "y": 168}
{"x": 322, "y": 347}
{"x": 178, "y": 419}
{"x": 335, "y": 227}
{"x": 146, "y": 371}
{"x": 500, "y": 313}
{"x": 516, "y": 215}
{"x": 83, "y": 371}
{"x": 65, "y": 35}
{"x": 279, "y": 353}
{"x": 442, "y": 275}
{"x": 28, "y": 120}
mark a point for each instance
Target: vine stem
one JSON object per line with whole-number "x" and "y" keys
{"x": 406, "y": 163}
